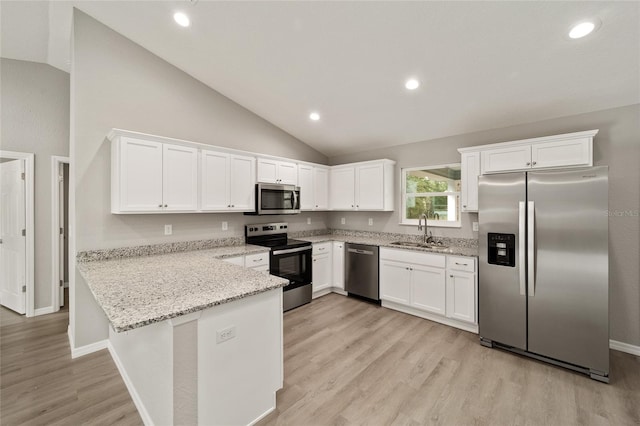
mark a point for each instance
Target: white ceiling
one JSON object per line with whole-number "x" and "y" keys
{"x": 482, "y": 65}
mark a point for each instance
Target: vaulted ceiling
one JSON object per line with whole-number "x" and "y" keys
{"x": 481, "y": 65}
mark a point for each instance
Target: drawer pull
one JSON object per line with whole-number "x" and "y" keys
{"x": 461, "y": 264}
{"x": 257, "y": 260}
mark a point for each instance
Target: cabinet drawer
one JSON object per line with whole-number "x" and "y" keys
{"x": 457, "y": 263}
{"x": 415, "y": 257}
{"x": 321, "y": 248}
{"x": 255, "y": 260}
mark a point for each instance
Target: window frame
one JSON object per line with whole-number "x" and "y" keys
{"x": 430, "y": 223}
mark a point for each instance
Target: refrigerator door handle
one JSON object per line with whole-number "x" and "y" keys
{"x": 531, "y": 249}
{"x": 521, "y": 247}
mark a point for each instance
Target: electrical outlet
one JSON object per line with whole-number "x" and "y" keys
{"x": 225, "y": 334}
{"x": 475, "y": 226}
{"x": 370, "y": 221}
{"x": 225, "y": 226}
{"x": 343, "y": 220}
{"x": 168, "y": 230}
{"x": 308, "y": 221}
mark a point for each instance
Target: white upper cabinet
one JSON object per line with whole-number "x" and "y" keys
{"x": 136, "y": 176}
{"x": 321, "y": 188}
{"x": 506, "y": 159}
{"x": 227, "y": 182}
{"x": 551, "y": 152}
{"x": 470, "y": 170}
{"x": 314, "y": 187}
{"x": 276, "y": 171}
{"x": 362, "y": 186}
{"x": 342, "y": 188}
{"x": 179, "y": 178}
{"x": 149, "y": 177}
{"x": 575, "y": 152}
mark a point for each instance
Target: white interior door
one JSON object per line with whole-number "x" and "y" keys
{"x": 12, "y": 242}
{"x": 61, "y": 252}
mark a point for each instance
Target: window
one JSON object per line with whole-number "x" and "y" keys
{"x": 434, "y": 191}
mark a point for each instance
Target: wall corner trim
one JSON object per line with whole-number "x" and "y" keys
{"x": 137, "y": 401}
{"x": 624, "y": 347}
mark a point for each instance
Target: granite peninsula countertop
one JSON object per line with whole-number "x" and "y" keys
{"x": 386, "y": 242}
{"x": 138, "y": 291}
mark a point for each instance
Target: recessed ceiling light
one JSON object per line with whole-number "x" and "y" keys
{"x": 314, "y": 116}
{"x": 412, "y": 84}
{"x": 582, "y": 29}
{"x": 181, "y": 19}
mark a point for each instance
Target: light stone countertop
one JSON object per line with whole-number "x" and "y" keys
{"x": 137, "y": 291}
{"x": 385, "y": 242}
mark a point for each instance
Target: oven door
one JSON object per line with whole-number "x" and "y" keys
{"x": 293, "y": 264}
{"x": 277, "y": 199}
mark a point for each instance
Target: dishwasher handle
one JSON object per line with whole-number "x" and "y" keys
{"x": 358, "y": 251}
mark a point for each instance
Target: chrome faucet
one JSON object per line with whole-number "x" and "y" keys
{"x": 427, "y": 238}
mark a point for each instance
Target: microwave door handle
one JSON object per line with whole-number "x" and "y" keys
{"x": 295, "y": 200}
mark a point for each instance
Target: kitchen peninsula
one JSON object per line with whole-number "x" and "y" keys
{"x": 196, "y": 339}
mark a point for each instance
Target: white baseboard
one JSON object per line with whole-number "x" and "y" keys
{"x": 43, "y": 311}
{"x": 87, "y": 349}
{"x": 320, "y": 293}
{"x": 472, "y": 328}
{"x": 624, "y": 347}
{"x": 266, "y": 413}
{"x": 137, "y": 401}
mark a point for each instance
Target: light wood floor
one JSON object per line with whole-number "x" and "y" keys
{"x": 41, "y": 385}
{"x": 346, "y": 362}
{"x": 352, "y": 363}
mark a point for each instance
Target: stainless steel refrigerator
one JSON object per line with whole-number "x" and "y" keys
{"x": 544, "y": 266}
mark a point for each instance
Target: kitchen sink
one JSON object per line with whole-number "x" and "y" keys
{"x": 420, "y": 245}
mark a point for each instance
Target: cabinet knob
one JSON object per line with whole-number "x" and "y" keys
{"x": 166, "y": 205}
{"x": 228, "y": 205}
{"x": 159, "y": 205}
{"x": 450, "y": 276}
{"x": 528, "y": 164}
{"x": 534, "y": 163}
{"x": 464, "y": 205}
{"x": 233, "y": 205}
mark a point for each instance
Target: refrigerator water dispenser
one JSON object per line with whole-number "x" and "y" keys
{"x": 502, "y": 249}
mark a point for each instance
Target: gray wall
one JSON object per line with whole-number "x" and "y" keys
{"x": 35, "y": 118}
{"x": 616, "y": 145}
{"x": 120, "y": 84}
{"x": 117, "y": 83}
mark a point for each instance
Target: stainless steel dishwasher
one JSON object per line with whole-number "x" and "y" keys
{"x": 362, "y": 271}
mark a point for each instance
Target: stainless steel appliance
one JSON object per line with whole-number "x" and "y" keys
{"x": 276, "y": 199}
{"x": 361, "y": 268}
{"x": 288, "y": 258}
{"x": 544, "y": 266}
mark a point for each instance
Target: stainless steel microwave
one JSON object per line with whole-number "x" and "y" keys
{"x": 277, "y": 199}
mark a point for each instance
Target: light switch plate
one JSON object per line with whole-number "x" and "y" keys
{"x": 370, "y": 221}
{"x": 225, "y": 226}
{"x": 475, "y": 226}
{"x": 343, "y": 220}
{"x": 168, "y": 230}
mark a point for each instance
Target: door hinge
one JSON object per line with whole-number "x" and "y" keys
{"x": 22, "y": 176}
{"x": 24, "y": 288}
{"x": 24, "y": 232}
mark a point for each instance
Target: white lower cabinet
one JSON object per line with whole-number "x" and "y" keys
{"x": 258, "y": 262}
{"x": 433, "y": 286}
{"x": 321, "y": 269}
{"x": 338, "y": 265}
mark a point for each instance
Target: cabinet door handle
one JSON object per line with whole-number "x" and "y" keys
{"x": 257, "y": 260}
{"x": 461, "y": 264}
